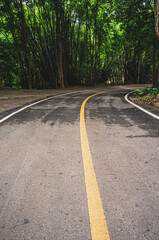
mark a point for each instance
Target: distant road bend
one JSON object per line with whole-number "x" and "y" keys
{"x": 80, "y": 166}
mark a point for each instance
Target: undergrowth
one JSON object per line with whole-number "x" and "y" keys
{"x": 149, "y": 91}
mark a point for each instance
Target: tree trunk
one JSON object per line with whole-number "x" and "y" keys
{"x": 17, "y": 46}
{"x": 126, "y": 68}
{"x": 77, "y": 46}
{"x": 139, "y": 68}
{"x": 59, "y": 47}
{"x": 0, "y": 82}
{"x": 51, "y": 66}
{"x": 95, "y": 63}
{"x": 157, "y": 18}
{"x": 154, "y": 66}
{"x": 24, "y": 40}
{"x": 96, "y": 45}
{"x": 157, "y": 74}
{"x": 86, "y": 39}
{"x": 91, "y": 58}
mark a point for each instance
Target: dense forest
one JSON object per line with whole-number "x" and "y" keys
{"x": 60, "y": 43}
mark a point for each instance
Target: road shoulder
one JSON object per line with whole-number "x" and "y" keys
{"x": 152, "y": 110}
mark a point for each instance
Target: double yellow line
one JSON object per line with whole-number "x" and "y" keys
{"x": 99, "y": 230}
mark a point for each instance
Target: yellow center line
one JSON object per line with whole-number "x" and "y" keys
{"x": 99, "y": 230}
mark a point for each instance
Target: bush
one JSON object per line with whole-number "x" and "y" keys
{"x": 152, "y": 91}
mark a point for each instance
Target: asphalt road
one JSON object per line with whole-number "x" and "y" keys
{"x": 43, "y": 192}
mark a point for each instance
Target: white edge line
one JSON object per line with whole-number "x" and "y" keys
{"x": 142, "y": 109}
{"x": 32, "y": 104}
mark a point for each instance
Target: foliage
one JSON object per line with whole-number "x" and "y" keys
{"x": 48, "y": 44}
{"x": 149, "y": 91}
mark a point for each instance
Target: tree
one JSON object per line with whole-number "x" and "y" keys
{"x": 23, "y": 26}
{"x": 156, "y": 76}
{"x": 0, "y": 82}
{"x": 157, "y": 18}
{"x": 50, "y": 44}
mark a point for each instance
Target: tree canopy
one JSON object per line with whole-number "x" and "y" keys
{"x": 52, "y": 44}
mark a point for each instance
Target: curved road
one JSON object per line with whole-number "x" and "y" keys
{"x": 43, "y": 187}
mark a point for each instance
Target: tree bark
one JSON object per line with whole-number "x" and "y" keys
{"x": 91, "y": 58}
{"x": 157, "y": 74}
{"x": 86, "y": 39}
{"x": 24, "y": 40}
{"x": 126, "y": 71}
{"x": 157, "y": 18}
{"x": 59, "y": 47}
{"x": 0, "y": 82}
{"x": 77, "y": 45}
{"x": 154, "y": 66}
{"x": 139, "y": 68}
{"x": 51, "y": 66}
{"x": 95, "y": 44}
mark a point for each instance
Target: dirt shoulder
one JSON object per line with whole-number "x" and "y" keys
{"x": 150, "y": 103}
{"x": 147, "y": 100}
{"x": 10, "y": 99}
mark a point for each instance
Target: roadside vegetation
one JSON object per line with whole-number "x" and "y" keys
{"x": 55, "y": 44}
{"x": 149, "y": 95}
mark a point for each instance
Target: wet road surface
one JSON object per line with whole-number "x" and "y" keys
{"x": 42, "y": 187}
